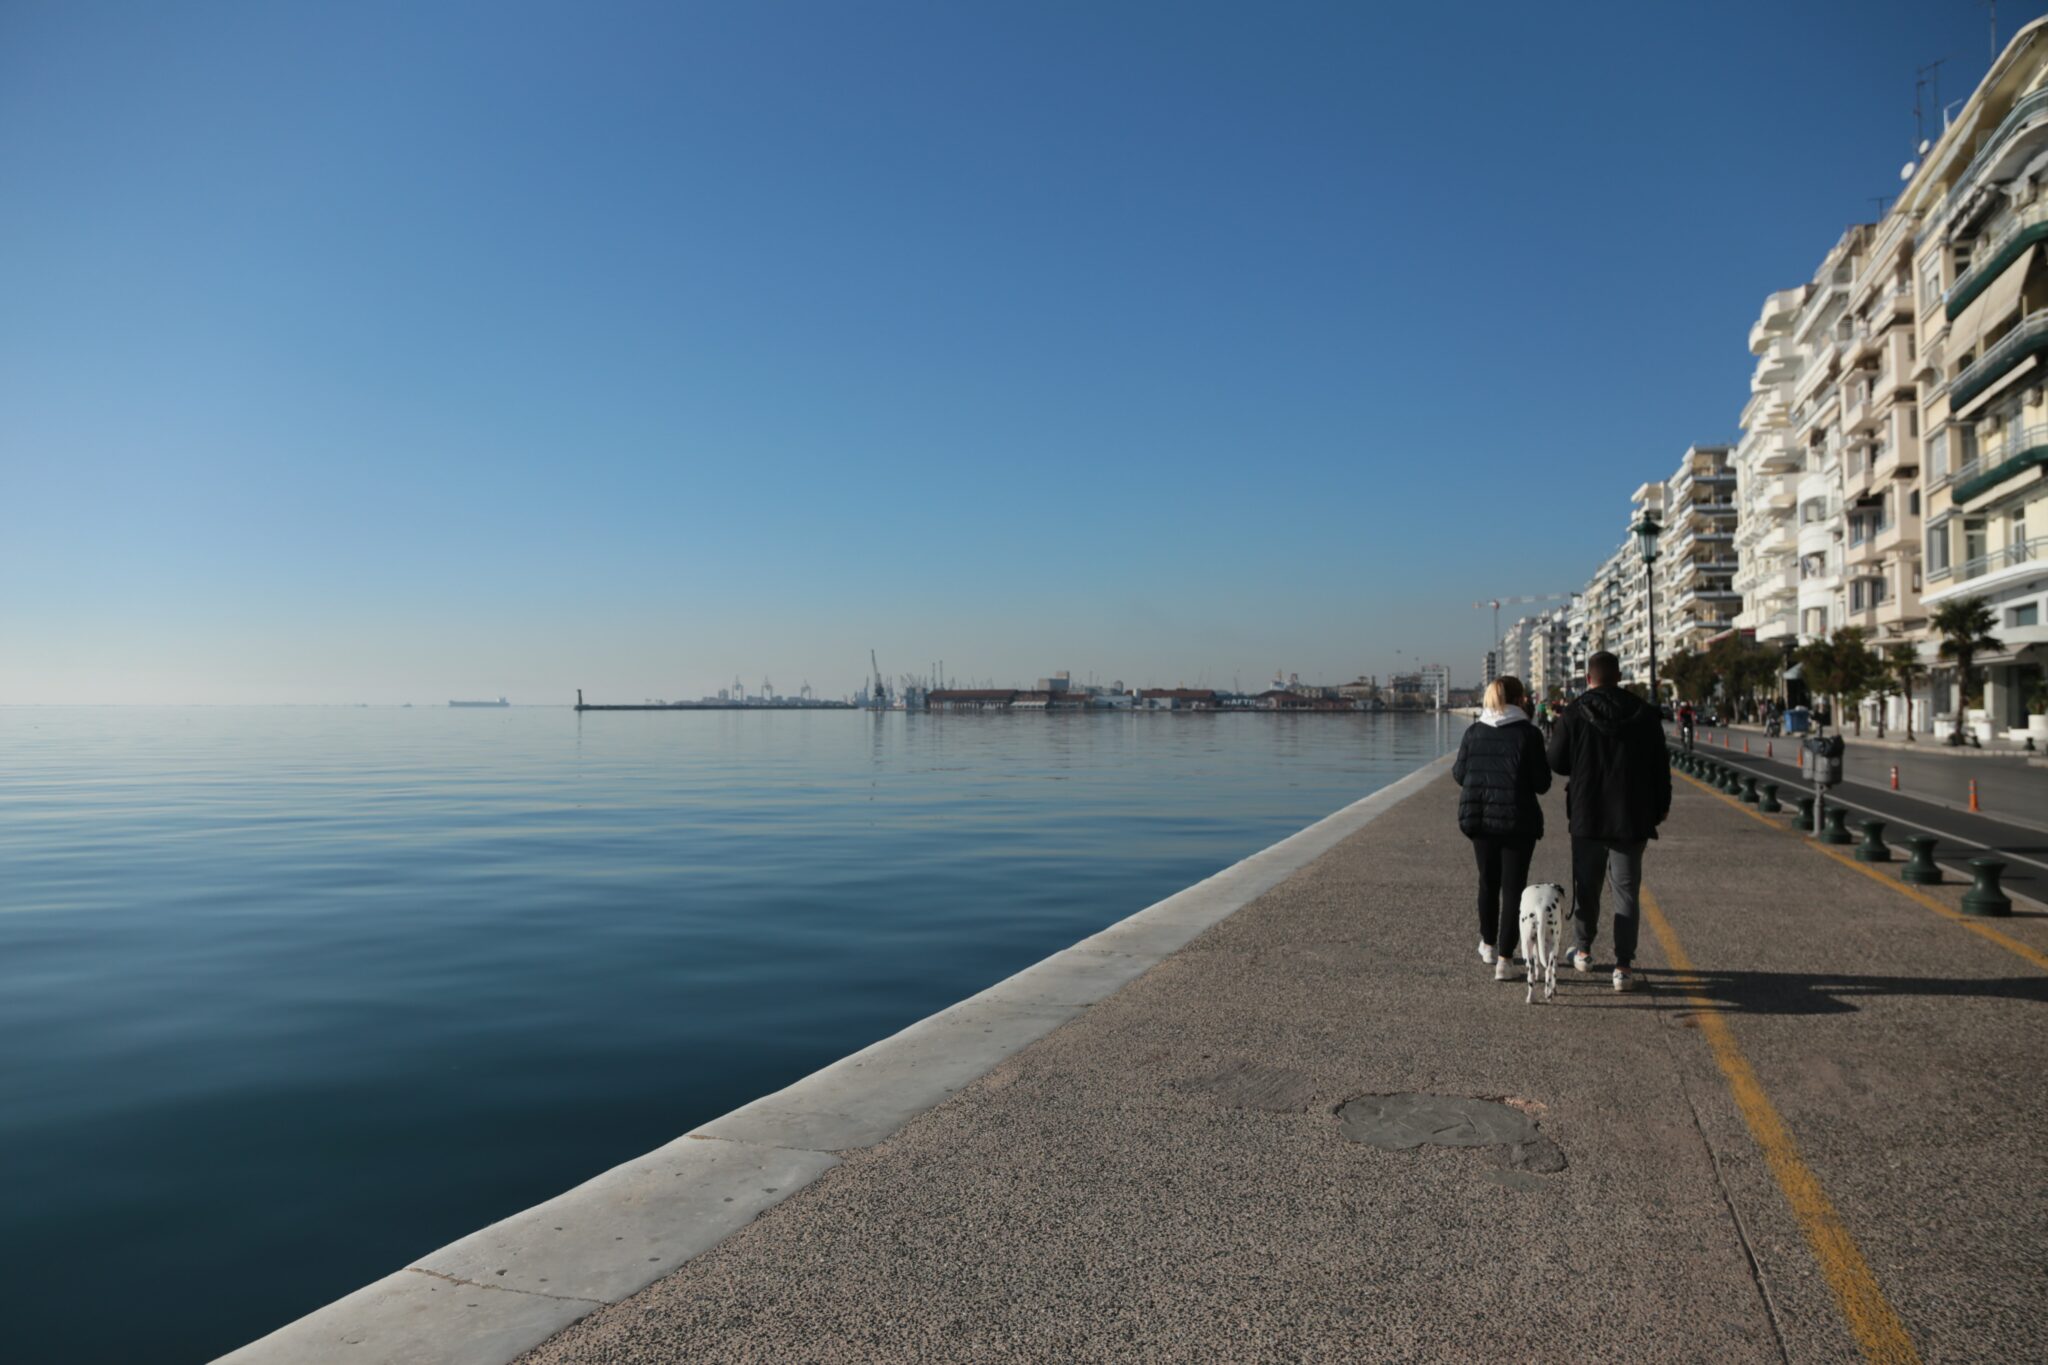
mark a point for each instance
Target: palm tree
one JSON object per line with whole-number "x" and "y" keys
{"x": 1902, "y": 664}
{"x": 1964, "y": 626}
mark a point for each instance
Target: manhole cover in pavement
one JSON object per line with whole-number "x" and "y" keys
{"x": 1404, "y": 1122}
{"x": 1398, "y": 1122}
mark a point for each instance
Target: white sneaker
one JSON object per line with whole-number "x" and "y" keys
{"x": 1504, "y": 971}
{"x": 1624, "y": 979}
{"x": 1486, "y": 953}
{"x": 1581, "y": 962}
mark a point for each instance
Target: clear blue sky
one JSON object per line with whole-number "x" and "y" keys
{"x": 394, "y": 352}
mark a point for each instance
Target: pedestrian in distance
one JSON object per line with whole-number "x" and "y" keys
{"x": 1500, "y": 771}
{"x": 1686, "y": 716}
{"x": 1610, "y": 750}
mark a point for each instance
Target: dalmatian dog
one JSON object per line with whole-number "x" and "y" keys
{"x": 1542, "y": 935}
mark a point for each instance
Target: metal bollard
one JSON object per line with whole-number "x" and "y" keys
{"x": 1920, "y": 867}
{"x": 1985, "y": 896}
{"x": 1835, "y": 829}
{"x": 1733, "y": 786}
{"x": 1768, "y": 801}
{"x": 1806, "y": 812}
{"x": 1873, "y": 849}
{"x": 1749, "y": 796}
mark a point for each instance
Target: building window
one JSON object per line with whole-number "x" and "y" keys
{"x": 2028, "y": 615}
{"x": 1930, "y": 282}
{"x": 1973, "y": 543}
{"x": 1937, "y": 548}
{"x": 1937, "y": 455}
{"x": 1913, "y": 502}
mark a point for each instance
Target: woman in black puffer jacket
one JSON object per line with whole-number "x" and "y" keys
{"x": 1501, "y": 771}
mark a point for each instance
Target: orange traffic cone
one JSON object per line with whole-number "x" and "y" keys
{"x": 1802, "y": 760}
{"x": 1973, "y": 794}
{"x": 1745, "y": 744}
{"x": 1895, "y": 777}
{"x": 1770, "y": 749}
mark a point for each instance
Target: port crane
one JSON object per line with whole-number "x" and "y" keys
{"x": 878, "y": 698}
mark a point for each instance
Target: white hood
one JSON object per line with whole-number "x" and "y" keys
{"x": 1505, "y": 716}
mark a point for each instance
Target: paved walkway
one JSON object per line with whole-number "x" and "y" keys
{"x": 1824, "y": 1143}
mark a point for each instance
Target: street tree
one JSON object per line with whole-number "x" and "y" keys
{"x": 1964, "y": 626}
{"x": 1902, "y": 669}
{"x": 1841, "y": 668}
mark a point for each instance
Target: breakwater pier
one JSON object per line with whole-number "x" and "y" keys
{"x": 1286, "y": 1114}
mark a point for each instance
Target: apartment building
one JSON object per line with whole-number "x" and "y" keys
{"x": 1696, "y": 596}
{"x": 1820, "y": 331}
{"x": 1632, "y": 633}
{"x": 1768, "y": 462}
{"x": 1550, "y": 670}
{"x": 1979, "y": 203}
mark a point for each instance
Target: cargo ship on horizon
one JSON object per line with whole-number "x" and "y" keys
{"x": 499, "y": 702}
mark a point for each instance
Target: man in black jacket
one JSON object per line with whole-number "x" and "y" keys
{"x": 1611, "y": 748}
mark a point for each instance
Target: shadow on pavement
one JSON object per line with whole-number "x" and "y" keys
{"x": 1823, "y": 993}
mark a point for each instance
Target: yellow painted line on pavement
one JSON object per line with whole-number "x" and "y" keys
{"x": 1910, "y": 892}
{"x": 1872, "y": 1321}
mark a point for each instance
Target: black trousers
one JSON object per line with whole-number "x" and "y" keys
{"x": 1620, "y": 864}
{"x": 1503, "y": 873}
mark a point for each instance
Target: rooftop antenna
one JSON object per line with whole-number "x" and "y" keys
{"x": 1880, "y": 200}
{"x": 1992, "y": 5}
{"x": 1926, "y": 78}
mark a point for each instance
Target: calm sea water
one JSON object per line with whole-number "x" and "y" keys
{"x": 290, "y": 996}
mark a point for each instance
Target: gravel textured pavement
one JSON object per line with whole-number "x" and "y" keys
{"x": 1168, "y": 1177}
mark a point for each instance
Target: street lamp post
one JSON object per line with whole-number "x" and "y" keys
{"x": 1646, "y": 532}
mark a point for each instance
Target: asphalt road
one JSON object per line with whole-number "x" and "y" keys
{"x": 1961, "y": 835}
{"x": 1820, "y": 1140}
{"x": 2009, "y": 786}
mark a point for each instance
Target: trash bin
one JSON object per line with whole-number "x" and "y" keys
{"x": 1826, "y": 754}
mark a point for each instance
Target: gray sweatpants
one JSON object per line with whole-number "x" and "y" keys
{"x": 1620, "y": 863}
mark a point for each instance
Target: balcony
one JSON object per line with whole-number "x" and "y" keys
{"x": 1895, "y": 534}
{"x": 2025, "y": 112}
{"x": 2028, "y": 337}
{"x": 1781, "y": 538}
{"x": 1859, "y": 401}
{"x": 1777, "y": 316}
{"x": 1898, "y": 362}
{"x": 1976, "y": 575}
{"x": 1816, "y": 373}
{"x": 1780, "y": 454}
{"x": 2026, "y": 227}
{"x": 1778, "y": 362}
{"x": 2016, "y": 453}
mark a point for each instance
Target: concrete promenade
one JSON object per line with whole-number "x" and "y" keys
{"x": 1816, "y": 1134}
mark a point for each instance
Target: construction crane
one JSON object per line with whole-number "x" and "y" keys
{"x": 1496, "y": 602}
{"x": 878, "y": 700}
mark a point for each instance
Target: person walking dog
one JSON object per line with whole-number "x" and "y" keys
{"x": 1500, "y": 771}
{"x": 1610, "y": 749}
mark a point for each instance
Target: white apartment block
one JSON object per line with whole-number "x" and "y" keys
{"x": 1768, "y": 463}
{"x": 1894, "y": 448}
{"x": 1696, "y": 596}
{"x": 1979, "y": 207}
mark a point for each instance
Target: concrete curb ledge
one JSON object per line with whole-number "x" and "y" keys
{"x": 494, "y": 1294}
